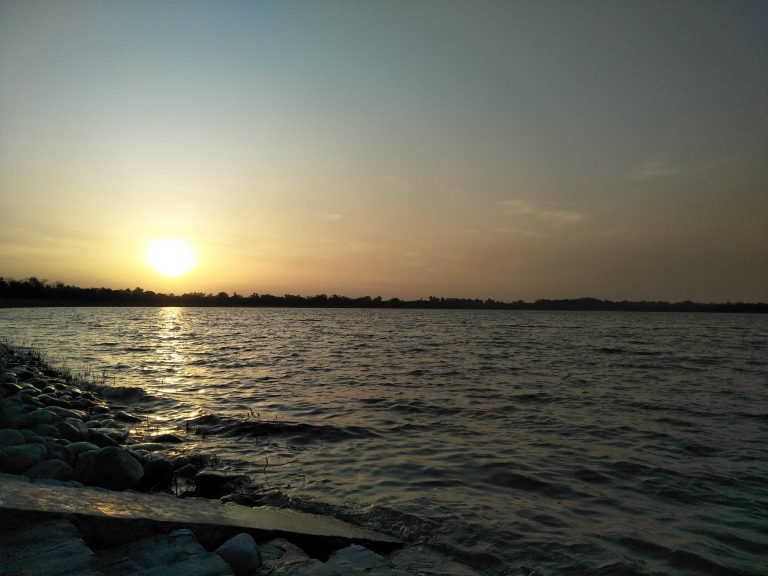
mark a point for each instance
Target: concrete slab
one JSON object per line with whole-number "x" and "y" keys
{"x": 36, "y": 497}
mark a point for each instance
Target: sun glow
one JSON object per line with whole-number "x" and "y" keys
{"x": 170, "y": 256}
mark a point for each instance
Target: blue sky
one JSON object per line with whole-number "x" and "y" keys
{"x": 491, "y": 149}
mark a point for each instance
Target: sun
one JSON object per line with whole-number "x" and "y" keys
{"x": 170, "y": 256}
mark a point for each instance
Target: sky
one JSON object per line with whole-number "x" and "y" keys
{"x": 507, "y": 150}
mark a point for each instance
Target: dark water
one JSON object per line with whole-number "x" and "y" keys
{"x": 508, "y": 442}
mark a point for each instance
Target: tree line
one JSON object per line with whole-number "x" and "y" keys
{"x": 35, "y": 292}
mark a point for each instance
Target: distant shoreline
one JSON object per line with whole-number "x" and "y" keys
{"x": 32, "y": 292}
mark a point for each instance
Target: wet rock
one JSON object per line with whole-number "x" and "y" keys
{"x": 241, "y": 553}
{"x": 187, "y": 471}
{"x": 168, "y": 439}
{"x": 158, "y": 475}
{"x": 10, "y": 437}
{"x": 280, "y": 557}
{"x": 148, "y": 447}
{"x": 54, "y": 469}
{"x": 100, "y": 439}
{"x": 125, "y": 417}
{"x": 356, "y": 558}
{"x": 111, "y": 467}
{"x": 67, "y": 413}
{"x": 17, "y": 459}
{"x": 210, "y": 484}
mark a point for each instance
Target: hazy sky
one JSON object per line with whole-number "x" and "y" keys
{"x": 512, "y": 150}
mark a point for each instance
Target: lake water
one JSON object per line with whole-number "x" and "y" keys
{"x": 508, "y": 442}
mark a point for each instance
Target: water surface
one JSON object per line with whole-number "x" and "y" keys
{"x": 511, "y": 442}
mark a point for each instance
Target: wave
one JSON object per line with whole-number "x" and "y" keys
{"x": 296, "y": 431}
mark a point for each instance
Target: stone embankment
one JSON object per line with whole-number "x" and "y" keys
{"x": 58, "y": 431}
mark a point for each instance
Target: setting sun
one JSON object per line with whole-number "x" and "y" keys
{"x": 170, "y": 256}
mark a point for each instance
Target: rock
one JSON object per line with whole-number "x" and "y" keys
{"x": 158, "y": 474}
{"x": 59, "y": 452}
{"x": 188, "y": 471}
{"x": 80, "y": 404}
{"x": 125, "y": 417}
{"x": 356, "y": 558}
{"x": 8, "y": 377}
{"x": 168, "y": 438}
{"x": 241, "y": 553}
{"x": 280, "y": 558}
{"x": 37, "y": 382}
{"x": 40, "y": 416}
{"x": 177, "y": 553}
{"x": 12, "y": 412}
{"x": 111, "y": 467}
{"x": 44, "y": 547}
{"x": 73, "y": 430}
{"x": 22, "y": 374}
{"x": 67, "y": 413}
{"x": 31, "y": 437}
{"x": 77, "y": 448}
{"x": 46, "y": 430}
{"x": 210, "y": 484}
{"x": 55, "y": 469}
{"x": 100, "y": 439}
{"x": 9, "y": 437}
{"x": 17, "y": 459}
{"x": 9, "y": 389}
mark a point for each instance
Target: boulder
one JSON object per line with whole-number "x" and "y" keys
{"x": 54, "y": 469}
{"x": 210, "y": 484}
{"x": 10, "y": 437}
{"x": 59, "y": 452}
{"x": 125, "y": 417}
{"x": 168, "y": 439}
{"x": 77, "y": 448}
{"x": 47, "y": 430}
{"x": 67, "y": 413}
{"x": 12, "y": 411}
{"x": 73, "y": 430}
{"x": 100, "y": 439}
{"x": 111, "y": 467}
{"x": 40, "y": 416}
{"x": 158, "y": 474}
{"x": 241, "y": 553}
{"x": 17, "y": 459}
{"x": 9, "y": 389}
{"x": 356, "y": 558}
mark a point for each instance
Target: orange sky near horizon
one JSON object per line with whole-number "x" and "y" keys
{"x": 506, "y": 150}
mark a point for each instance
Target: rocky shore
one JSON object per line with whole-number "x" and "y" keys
{"x": 61, "y": 431}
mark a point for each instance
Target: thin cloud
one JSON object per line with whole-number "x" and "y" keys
{"x": 547, "y": 213}
{"x": 655, "y": 169}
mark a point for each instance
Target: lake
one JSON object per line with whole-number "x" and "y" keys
{"x": 499, "y": 442}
